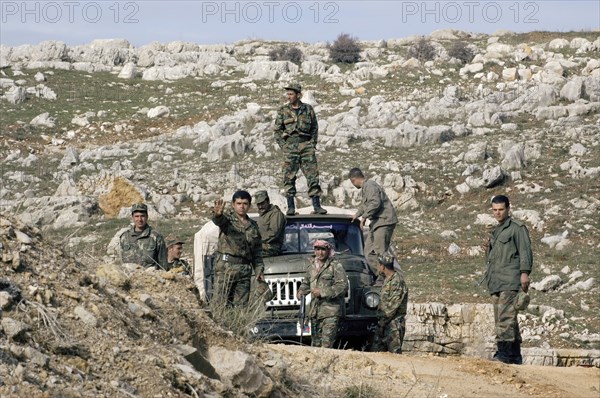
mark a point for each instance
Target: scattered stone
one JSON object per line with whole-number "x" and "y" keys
{"x": 550, "y": 282}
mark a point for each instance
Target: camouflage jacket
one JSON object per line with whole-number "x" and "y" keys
{"x": 180, "y": 265}
{"x": 376, "y": 206}
{"x": 303, "y": 124}
{"x": 272, "y": 230}
{"x": 394, "y": 298}
{"x": 147, "y": 249}
{"x": 239, "y": 240}
{"x": 332, "y": 281}
{"x": 509, "y": 255}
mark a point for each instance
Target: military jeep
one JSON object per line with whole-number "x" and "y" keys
{"x": 284, "y": 274}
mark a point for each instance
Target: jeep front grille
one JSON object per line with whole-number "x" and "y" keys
{"x": 285, "y": 292}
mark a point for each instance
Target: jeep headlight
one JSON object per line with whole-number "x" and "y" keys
{"x": 372, "y": 299}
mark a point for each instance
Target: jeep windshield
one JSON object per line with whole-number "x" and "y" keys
{"x": 300, "y": 236}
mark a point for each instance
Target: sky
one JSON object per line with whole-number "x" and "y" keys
{"x": 226, "y": 22}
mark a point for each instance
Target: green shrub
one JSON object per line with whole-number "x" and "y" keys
{"x": 422, "y": 50}
{"x": 286, "y": 53}
{"x": 461, "y": 51}
{"x": 344, "y": 49}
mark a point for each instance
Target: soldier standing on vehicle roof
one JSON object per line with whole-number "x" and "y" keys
{"x": 239, "y": 250}
{"x": 296, "y": 133}
{"x": 325, "y": 279}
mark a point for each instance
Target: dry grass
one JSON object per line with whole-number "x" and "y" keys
{"x": 121, "y": 194}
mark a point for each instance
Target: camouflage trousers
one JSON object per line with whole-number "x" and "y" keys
{"x": 323, "y": 332}
{"x": 505, "y": 316}
{"x": 300, "y": 155}
{"x": 232, "y": 283}
{"x": 378, "y": 241}
{"x": 391, "y": 337}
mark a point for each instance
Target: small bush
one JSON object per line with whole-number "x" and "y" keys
{"x": 344, "y": 49}
{"x": 461, "y": 51}
{"x": 239, "y": 320}
{"x": 286, "y": 53}
{"x": 422, "y": 50}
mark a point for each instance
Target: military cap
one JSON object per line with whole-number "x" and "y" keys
{"x": 522, "y": 301}
{"x": 171, "y": 240}
{"x": 261, "y": 196}
{"x": 139, "y": 207}
{"x": 387, "y": 260}
{"x": 295, "y": 87}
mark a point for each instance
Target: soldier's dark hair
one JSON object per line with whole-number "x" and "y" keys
{"x": 356, "y": 173}
{"x": 501, "y": 199}
{"x": 242, "y": 195}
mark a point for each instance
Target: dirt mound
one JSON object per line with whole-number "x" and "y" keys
{"x": 76, "y": 329}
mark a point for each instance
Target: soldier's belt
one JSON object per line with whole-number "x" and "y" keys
{"x": 228, "y": 258}
{"x": 297, "y": 138}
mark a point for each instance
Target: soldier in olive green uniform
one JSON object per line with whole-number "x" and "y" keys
{"x": 296, "y": 132}
{"x": 271, "y": 223}
{"x": 509, "y": 262}
{"x": 326, "y": 280}
{"x": 238, "y": 250}
{"x": 141, "y": 244}
{"x": 392, "y": 308}
{"x": 174, "y": 260}
{"x": 376, "y": 207}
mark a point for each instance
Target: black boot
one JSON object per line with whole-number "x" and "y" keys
{"x": 291, "y": 207}
{"x": 503, "y": 352}
{"x": 515, "y": 353}
{"x": 316, "y": 201}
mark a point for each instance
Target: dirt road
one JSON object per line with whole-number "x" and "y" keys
{"x": 333, "y": 373}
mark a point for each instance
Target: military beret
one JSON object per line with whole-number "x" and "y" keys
{"x": 171, "y": 240}
{"x": 386, "y": 260}
{"x": 261, "y": 196}
{"x": 139, "y": 207}
{"x": 295, "y": 87}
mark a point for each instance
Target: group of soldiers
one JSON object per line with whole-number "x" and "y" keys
{"x": 243, "y": 242}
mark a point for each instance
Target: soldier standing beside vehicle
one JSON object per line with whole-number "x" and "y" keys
{"x": 141, "y": 244}
{"x": 174, "y": 251}
{"x": 509, "y": 262}
{"x": 239, "y": 250}
{"x": 271, "y": 223}
{"x": 325, "y": 279}
{"x": 391, "y": 311}
{"x": 376, "y": 207}
{"x": 296, "y": 133}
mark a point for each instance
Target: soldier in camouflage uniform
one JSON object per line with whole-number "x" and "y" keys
{"x": 174, "y": 260}
{"x": 238, "y": 250}
{"x": 271, "y": 223}
{"x": 141, "y": 244}
{"x": 392, "y": 308}
{"x": 296, "y": 132}
{"x": 377, "y": 207}
{"x": 509, "y": 262}
{"x": 325, "y": 279}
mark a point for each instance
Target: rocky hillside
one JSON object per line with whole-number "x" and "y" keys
{"x": 87, "y": 130}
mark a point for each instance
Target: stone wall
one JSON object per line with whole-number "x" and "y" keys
{"x": 468, "y": 329}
